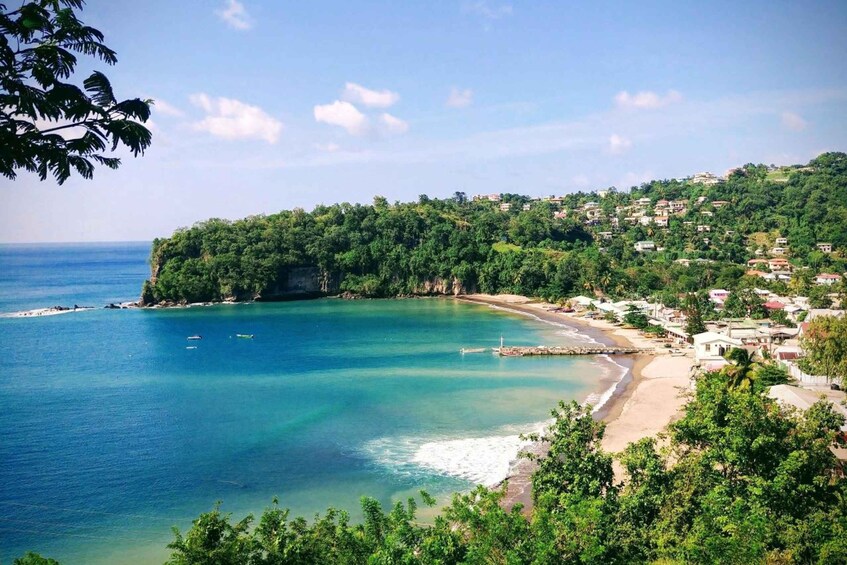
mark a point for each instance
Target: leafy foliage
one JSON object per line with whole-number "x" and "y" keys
{"x": 825, "y": 344}
{"x": 39, "y": 45}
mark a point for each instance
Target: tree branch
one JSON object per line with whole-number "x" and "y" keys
{"x": 57, "y": 128}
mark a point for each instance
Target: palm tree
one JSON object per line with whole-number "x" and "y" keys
{"x": 742, "y": 372}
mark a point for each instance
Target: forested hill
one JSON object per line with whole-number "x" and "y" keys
{"x": 552, "y": 247}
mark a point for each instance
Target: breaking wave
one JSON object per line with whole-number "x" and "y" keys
{"x": 480, "y": 460}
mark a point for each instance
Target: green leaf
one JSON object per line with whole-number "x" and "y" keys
{"x": 101, "y": 89}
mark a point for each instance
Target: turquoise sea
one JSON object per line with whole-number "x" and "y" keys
{"x": 115, "y": 427}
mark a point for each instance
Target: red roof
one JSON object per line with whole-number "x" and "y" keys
{"x": 787, "y": 355}
{"x": 773, "y": 305}
{"x": 828, "y": 276}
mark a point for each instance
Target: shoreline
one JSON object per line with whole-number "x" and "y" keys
{"x": 641, "y": 403}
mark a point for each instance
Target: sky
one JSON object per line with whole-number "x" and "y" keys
{"x": 268, "y": 105}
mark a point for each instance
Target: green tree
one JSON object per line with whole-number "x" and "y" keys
{"x": 694, "y": 323}
{"x": 636, "y": 318}
{"x": 825, "y": 344}
{"x": 31, "y": 558}
{"x": 742, "y": 371}
{"x": 39, "y": 45}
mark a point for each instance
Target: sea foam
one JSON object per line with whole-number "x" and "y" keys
{"x": 485, "y": 460}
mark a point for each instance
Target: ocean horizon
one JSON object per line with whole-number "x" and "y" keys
{"x": 119, "y": 427}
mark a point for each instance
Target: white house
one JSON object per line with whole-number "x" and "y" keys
{"x": 827, "y": 279}
{"x": 710, "y": 347}
{"x": 642, "y": 246}
{"x": 825, "y": 247}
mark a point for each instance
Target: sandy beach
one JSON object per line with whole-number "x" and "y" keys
{"x": 647, "y": 399}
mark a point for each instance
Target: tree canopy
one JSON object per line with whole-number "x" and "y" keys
{"x": 48, "y": 125}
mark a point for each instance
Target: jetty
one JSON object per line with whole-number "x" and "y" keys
{"x": 584, "y": 350}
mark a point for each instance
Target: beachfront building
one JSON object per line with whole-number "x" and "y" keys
{"x": 710, "y": 347}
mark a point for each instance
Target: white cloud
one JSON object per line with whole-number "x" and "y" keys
{"x": 460, "y": 98}
{"x": 162, "y": 107}
{"x": 371, "y": 98}
{"x": 482, "y": 8}
{"x": 327, "y": 147}
{"x": 393, "y": 124}
{"x": 646, "y": 100}
{"x": 235, "y": 15}
{"x": 232, "y": 119}
{"x": 793, "y": 122}
{"x": 342, "y": 114}
{"x": 618, "y": 144}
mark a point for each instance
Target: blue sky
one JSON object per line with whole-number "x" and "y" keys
{"x": 268, "y": 105}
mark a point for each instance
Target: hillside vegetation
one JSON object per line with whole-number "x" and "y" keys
{"x": 547, "y": 248}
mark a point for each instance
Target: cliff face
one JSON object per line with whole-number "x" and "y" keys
{"x": 303, "y": 282}
{"x": 439, "y": 286}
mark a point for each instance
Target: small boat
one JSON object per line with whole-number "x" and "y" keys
{"x": 471, "y": 350}
{"x": 191, "y": 347}
{"x": 244, "y": 336}
{"x": 194, "y": 337}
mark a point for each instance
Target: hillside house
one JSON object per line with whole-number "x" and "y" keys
{"x": 718, "y": 295}
{"x": 677, "y": 206}
{"x": 779, "y": 264}
{"x": 642, "y": 246}
{"x": 824, "y": 247}
{"x": 827, "y": 279}
{"x": 706, "y": 178}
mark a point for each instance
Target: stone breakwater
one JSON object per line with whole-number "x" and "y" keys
{"x": 586, "y": 350}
